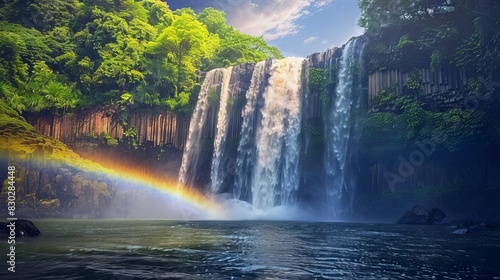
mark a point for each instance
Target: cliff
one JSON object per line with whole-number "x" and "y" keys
{"x": 50, "y": 179}
{"x": 154, "y": 127}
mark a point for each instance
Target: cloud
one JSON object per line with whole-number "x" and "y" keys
{"x": 310, "y": 40}
{"x": 323, "y": 3}
{"x": 271, "y": 19}
{"x": 324, "y": 42}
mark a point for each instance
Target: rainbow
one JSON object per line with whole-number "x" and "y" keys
{"x": 131, "y": 174}
{"x": 169, "y": 187}
{"x": 183, "y": 194}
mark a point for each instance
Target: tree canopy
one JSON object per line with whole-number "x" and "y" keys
{"x": 56, "y": 55}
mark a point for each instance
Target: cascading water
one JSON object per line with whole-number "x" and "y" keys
{"x": 268, "y": 153}
{"x": 192, "y": 149}
{"x": 267, "y": 171}
{"x": 246, "y": 148}
{"x": 275, "y": 175}
{"x": 217, "y": 169}
{"x": 338, "y": 131}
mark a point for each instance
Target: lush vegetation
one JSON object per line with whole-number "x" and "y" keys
{"x": 415, "y": 34}
{"x": 411, "y": 35}
{"x": 60, "y": 54}
{"x": 450, "y": 131}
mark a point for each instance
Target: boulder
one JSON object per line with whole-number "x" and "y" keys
{"x": 418, "y": 215}
{"x": 23, "y": 228}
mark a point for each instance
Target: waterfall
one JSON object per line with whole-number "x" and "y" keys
{"x": 272, "y": 100}
{"x": 217, "y": 169}
{"x": 246, "y": 148}
{"x": 192, "y": 149}
{"x": 268, "y": 151}
{"x": 275, "y": 173}
{"x": 338, "y": 131}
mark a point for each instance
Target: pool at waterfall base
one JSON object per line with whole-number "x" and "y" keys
{"x": 162, "y": 249}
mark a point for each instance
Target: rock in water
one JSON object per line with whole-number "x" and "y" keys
{"x": 22, "y": 228}
{"x": 418, "y": 215}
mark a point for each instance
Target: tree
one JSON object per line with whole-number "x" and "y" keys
{"x": 185, "y": 42}
{"x": 12, "y": 68}
{"x": 215, "y": 21}
{"x": 159, "y": 14}
{"x": 383, "y": 13}
{"x": 235, "y": 47}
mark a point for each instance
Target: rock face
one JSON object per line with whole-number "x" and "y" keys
{"x": 420, "y": 216}
{"x": 44, "y": 191}
{"x": 322, "y": 59}
{"x": 48, "y": 177}
{"x": 101, "y": 124}
{"x": 23, "y": 228}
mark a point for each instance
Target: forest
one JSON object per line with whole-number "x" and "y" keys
{"x": 56, "y": 56}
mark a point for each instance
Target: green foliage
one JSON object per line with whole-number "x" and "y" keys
{"x": 186, "y": 42}
{"x": 392, "y": 132}
{"x": 147, "y": 95}
{"x": 380, "y": 13}
{"x": 386, "y": 95}
{"x": 179, "y": 101}
{"x": 43, "y": 90}
{"x": 107, "y": 48}
{"x": 130, "y": 135}
{"x": 12, "y": 97}
{"x": 414, "y": 81}
{"x": 29, "y": 41}
{"x": 317, "y": 80}
{"x": 413, "y": 116}
{"x": 437, "y": 60}
{"x": 235, "y": 47}
{"x": 405, "y": 42}
{"x": 407, "y": 34}
{"x": 215, "y": 21}
{"x": 320, "y": 84}
{"x": 12, "y": 68}
{"x": 159, "y": 14}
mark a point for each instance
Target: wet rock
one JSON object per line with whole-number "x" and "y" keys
{"x": 22, "y": 228}
{"x": 418, "y": 215}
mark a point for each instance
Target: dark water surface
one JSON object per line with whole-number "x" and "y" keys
{"x": 124, "y": 249}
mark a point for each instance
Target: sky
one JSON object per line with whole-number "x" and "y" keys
{"x": 296, "y": 27}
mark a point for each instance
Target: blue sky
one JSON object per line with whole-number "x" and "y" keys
{"x": 296, "y": 27}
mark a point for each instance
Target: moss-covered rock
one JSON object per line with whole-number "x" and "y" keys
{"x": 51, "y": 180}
